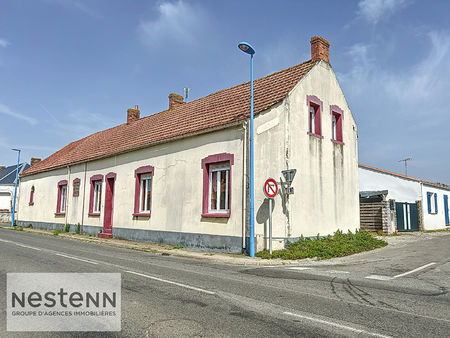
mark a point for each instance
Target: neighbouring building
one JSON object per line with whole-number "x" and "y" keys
{"x": 395, "y": 202}
{"x": 180, "y": 176}
{"x": 7, "y": 183}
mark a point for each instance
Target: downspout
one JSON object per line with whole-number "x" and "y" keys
{"x": 84, "y": 196}
{"x": 244, "y": 185}
{"x": 67, "y": 197}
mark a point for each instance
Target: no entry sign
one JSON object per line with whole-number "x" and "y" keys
{"x": 270, "y": 188}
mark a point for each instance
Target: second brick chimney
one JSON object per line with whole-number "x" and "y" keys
{"x": 320, "y": 49}
{"x": 35, "y": 160}
{"x": 175, "y": 100}
{"x": 133, "y": 114}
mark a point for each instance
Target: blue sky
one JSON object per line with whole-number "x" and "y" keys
{"x": 69, "y": 68}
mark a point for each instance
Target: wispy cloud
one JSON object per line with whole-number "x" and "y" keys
{"x": 177, "y": 22}
{"x": 375, "y": 10}
{"x": 4, "y": 43}
{"x": 4, "y": 109}
{"x": 74, "y": 4}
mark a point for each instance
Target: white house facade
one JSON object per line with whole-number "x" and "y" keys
{"x": 410, "y": 195}
{"x": 181, "y": 176}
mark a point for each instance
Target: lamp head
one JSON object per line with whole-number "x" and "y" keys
{"x": 15, "y": 149}
{"x": 246, "y": 47}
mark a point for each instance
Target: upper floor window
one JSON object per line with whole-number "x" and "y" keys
{"x": 314, "y": 115}
{"x": 217, "y": 185}
{"x": 432, "y": 202}
{"x": 31, "y": 196}
{"x": 76, "y": 187}
{"x": 337, "y": 115}
{"x": 62, "y": 197}
{"x": 95, "y": 201}
{"x": 143, "y": 191}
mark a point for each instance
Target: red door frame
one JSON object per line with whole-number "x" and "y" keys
{"x": 110, "y": 180}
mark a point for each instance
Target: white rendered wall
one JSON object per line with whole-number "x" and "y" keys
{"x": 399, "y": 189}
{"x": 434, "y": 221}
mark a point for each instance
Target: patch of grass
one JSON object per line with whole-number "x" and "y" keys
{"x": 18, "y": 228}
{"x": 338, "y": 245}
{"x": 178, "y": 246}
{"x": 209, "y": 254}
{"x": 57, "y": 232}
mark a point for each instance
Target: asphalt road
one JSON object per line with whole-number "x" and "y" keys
{"x": 175, "y": 297}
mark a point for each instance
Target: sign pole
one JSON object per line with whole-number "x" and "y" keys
{"x": 270, "y": 225}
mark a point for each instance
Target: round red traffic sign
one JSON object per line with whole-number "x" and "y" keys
{"x": 270, "y": 188}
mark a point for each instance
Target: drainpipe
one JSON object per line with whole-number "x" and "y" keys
{"x": 67, "y": 197}
{"x": 244, "y": 185}
{"x": 84, "y": 196}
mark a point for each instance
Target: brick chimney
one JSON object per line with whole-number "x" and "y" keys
{"x": 2, "y": 167}
{"x": 320, "y": 49}
{"x": 133, "y": 114}
{"x": 35, "y": 160}
{"x": 175, "y": 100}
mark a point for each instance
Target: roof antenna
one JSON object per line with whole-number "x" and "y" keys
{"x": 186, "y": 93}
{"x": 406, "y": 164}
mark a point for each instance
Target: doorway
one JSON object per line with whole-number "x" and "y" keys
{"x": 109, "y": 206}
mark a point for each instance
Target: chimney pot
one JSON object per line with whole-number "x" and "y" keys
{"x": 320, "y": 49}
{"x": 175, "y": 100}
{"x": 34, "y": 161}
{"x": 133, "y": 114}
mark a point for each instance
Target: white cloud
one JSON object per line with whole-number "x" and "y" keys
{"x": 4, "y": 109}
{"x": 376, "y": 10}
{"x": 4, "y": 43}
{"x": 177, "y": 22}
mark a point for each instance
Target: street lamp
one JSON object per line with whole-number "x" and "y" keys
{"x": 247, "y": 48}
{"x": 15, "y": 187}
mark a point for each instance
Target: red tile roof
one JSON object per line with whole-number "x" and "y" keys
{"x": 215, "y": 111}
{"x": 438, "y": 185}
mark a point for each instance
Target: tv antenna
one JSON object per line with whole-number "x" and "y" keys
{"x": 406, "y": 164}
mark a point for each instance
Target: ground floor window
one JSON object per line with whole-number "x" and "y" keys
{"x": 62, "y": 197}
{"x": 95, "y": 200}
{"x": 217, "y": 185}
{"x": 432, "y": 202}
{"x": 143, "y": 191}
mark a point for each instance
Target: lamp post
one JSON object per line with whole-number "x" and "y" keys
{"x": 247, "y": 48}
{"x": 15, "y": 187}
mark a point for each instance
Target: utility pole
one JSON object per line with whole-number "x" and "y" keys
{"x": 406, "y": 164}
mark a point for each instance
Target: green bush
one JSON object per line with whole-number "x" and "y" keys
{"x": 67, "y": 228}
{"x": 78, "y": 228}
{"x": 338, "y": 245}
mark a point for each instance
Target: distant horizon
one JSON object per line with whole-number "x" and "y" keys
{"x": 70, "y": 68}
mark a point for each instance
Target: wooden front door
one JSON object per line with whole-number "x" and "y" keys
{"x": 109, "y": 206}
{"x": 407, "y": 216}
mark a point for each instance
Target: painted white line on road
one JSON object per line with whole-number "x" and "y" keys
{"x": 378, "y": 277}
{"x": 299, "y": 268}
{"x": 340, "y": 326}
{"x": 171, "y": 282}
{"x": 19, "y": 244}
{"x": 76, "y": 258}
{"x": 415, "y": 270}
{"x": 26, "y": 246}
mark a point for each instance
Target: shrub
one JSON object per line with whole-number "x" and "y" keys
{"x": 67, "y": 228}
{"x": 78, "y": 228}
{"x": 338, "y": 245}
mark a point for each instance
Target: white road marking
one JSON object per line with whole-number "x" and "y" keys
{"x": 299, "y": 268}
{"x": 19, "y": 244}
{"x": 381, "y": 277}
{"x": 336, "y": 271}
{"x": 378, "y": 277}
{"x": 415, "y": 270}
{"x": 340, "y": 326}
{"x": 26, "y": 246}
{"x": 76, "y": 258}
{"x": 171, "y": 282}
